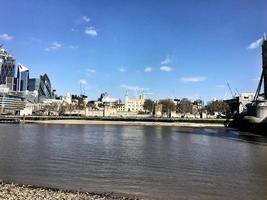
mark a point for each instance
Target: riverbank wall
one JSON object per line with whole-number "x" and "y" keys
{"x": 129, "y": 119}
{"x": 151, "y": 121}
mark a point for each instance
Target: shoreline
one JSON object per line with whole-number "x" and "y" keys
{"x": 124, "y": 123}
{"x": 21, "y": 191}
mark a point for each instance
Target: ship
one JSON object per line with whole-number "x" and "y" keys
{"x": 254, "y": 117}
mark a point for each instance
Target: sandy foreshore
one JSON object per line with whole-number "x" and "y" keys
{"x": 10, "y": 191}
{"x": 138, "y": 123}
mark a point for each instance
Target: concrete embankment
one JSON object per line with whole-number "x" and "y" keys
{"x": 130, "y": 123}
{"x": 19, "y": 192}
{"x": 151, "y": 121}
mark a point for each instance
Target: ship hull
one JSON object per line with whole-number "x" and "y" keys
{"x": 250, "y": 124}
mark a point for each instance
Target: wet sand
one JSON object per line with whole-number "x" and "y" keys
{"x": 19, "y": 192}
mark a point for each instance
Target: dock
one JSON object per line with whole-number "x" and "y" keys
{"x": 9, "y": 120}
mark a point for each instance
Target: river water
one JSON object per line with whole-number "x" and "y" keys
{"x": 150, "y": 162}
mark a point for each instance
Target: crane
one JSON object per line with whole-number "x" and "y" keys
{"x": 230, "y": 89}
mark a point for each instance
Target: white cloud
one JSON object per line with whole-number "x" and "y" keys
{"x": 148, "y": 69}
{"x": 53, "y": 46}
{"x": 122, "y": 69}
{"x": 133, "y": 87}
{"x": 255, "y": 44}
{"x": 73, "y": 47}
{"x": 166, "y": 61}
{"x": 83, "y": 82}
{"x": 193, "y": 79}
{"x": 91, "y": 31}
{"x": 83, "y": 20}
{"x": 5, "y": 37}
{"x": 91, "y": 70}
{"x": 56, "y": 45}
{"x": 165, "y": 68}
{"x": 86, "y": 19}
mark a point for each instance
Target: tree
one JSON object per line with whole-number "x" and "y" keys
{"x": 185, "y": 106}
{"x": 149, "y": 105}
{"x": 81, "y": 102}
{"x": 62, "y": 109}
{"x": 70, "y": 107}
{"x": 218, "y": 106}
{"x": 167, "y": 106}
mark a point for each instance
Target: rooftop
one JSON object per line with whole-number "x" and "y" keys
{"x": 23, "y": 68}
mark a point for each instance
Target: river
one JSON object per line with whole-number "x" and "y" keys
{"x": 150, "y": 162}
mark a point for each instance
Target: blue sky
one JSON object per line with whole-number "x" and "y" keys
{"x": 168, "y": 48}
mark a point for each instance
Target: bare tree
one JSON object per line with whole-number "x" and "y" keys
{"x": 149, "y": 105}
{"x": 167, "y": 106}
{"x": 218, "y": 106}
{"x": 185, "y": 106}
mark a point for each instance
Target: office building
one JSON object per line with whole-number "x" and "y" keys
{"x": 43, "y": 86}
{"x": 34, "y": 84}
{"x": 45, "y": 89}
{"x": 23, "y": 78}
{"x": 12, "y": 83}
{"x": 7, "y": 66}
{"x": 11, "y": 104}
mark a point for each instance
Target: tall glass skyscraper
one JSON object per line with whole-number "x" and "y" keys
{"x": 12, "y": 83}
{"x": 23, "y": 77}
{"x": 42, "y": 85}
{"x": 45, "y": 86}
{"x": 34, "y": 84}
{"x": 7, "y": 65}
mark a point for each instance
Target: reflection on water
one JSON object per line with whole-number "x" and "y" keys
{"x": 149, "y": 162}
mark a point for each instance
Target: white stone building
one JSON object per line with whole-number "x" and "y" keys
{"x": 67, "y": 98}
{"x": 245, "y": 98}
{"x": 135, "y": 104}
{"x": 121, "y": 107}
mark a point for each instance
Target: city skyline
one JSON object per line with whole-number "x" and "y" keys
{"x": 175, "y": 49}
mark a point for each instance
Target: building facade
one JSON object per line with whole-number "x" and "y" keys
{"x": 7, "y": 66}
{"x": 34, "y": 84}
{"x": 12, "y": 83}
{"x": 67, "y": 98}
{"x": 238, "y": 104}
{"x": 135, "y": 104}
{"x": 121, "y": 107}
{"x": 10, "y": 104}
{"x": 43, "y": 86}
{"x": 23, "y": 78}
{"x": 45, "y": 89}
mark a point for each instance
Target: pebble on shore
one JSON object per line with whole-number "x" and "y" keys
{"x": 12, "y": 191}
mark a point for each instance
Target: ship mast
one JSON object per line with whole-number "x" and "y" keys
{"x": 263, "y": 78}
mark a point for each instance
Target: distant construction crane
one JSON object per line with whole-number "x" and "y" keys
{"x": 230, "y": 89}
{"x": 238, "y": 93}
